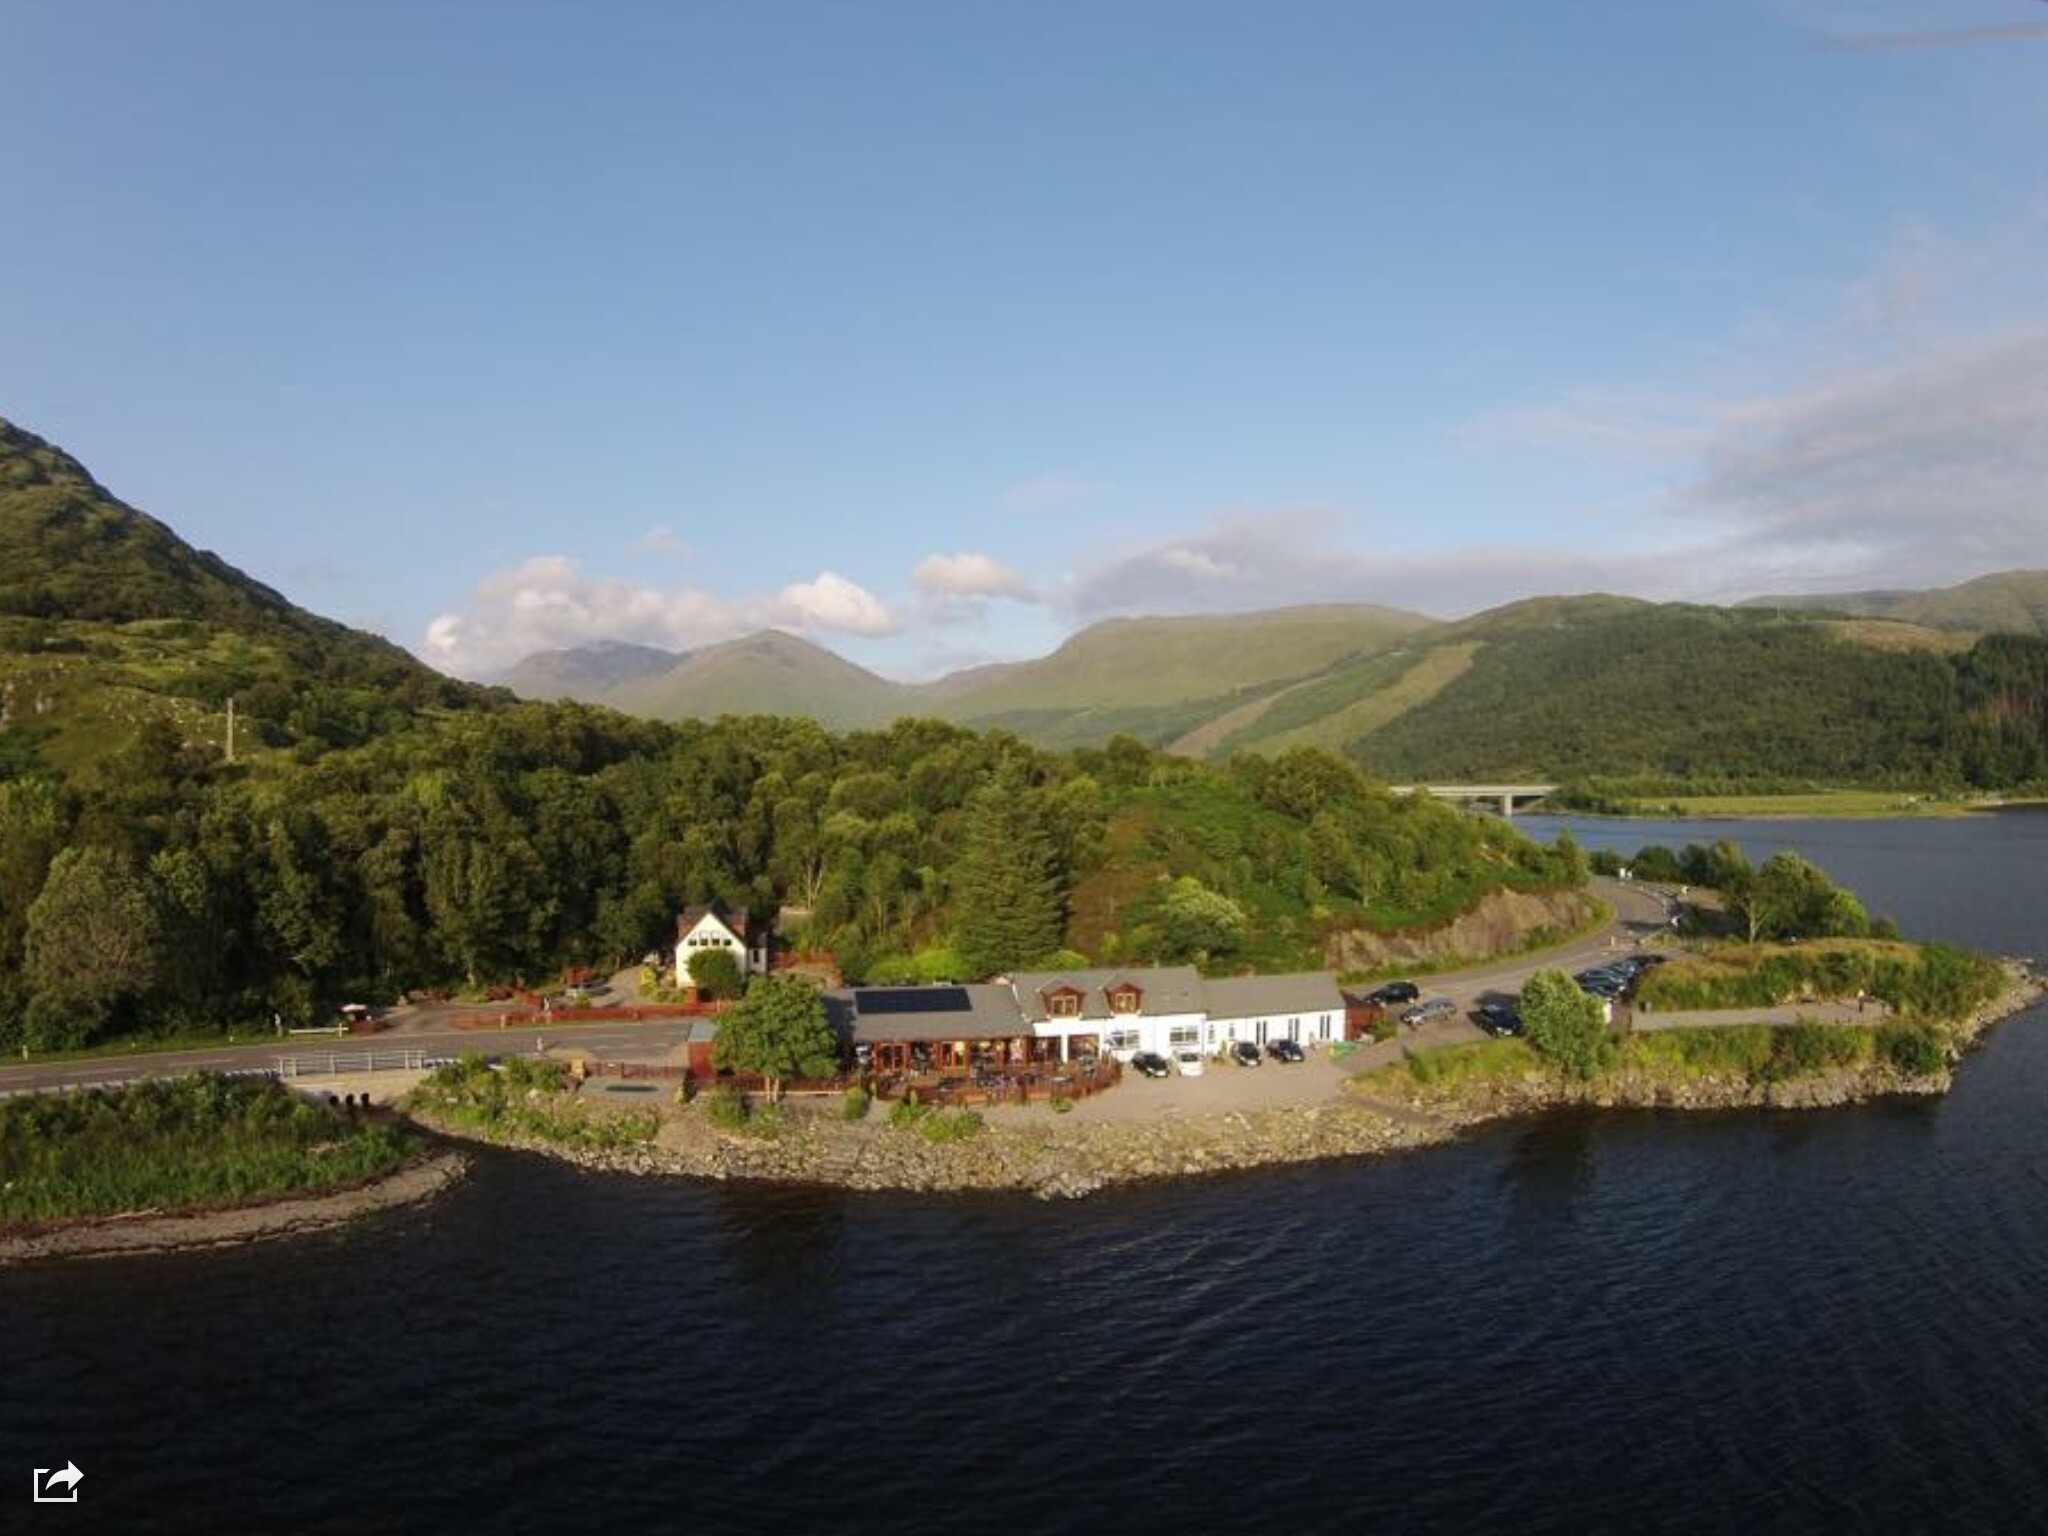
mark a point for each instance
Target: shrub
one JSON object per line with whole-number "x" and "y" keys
{"x": 906, "y": 1111}
{"x": 1913, "y": 1049}
{"x": 1799, "y": 1050}
{"x": 950, "y": 1125}
{"x": 727, "y": 1107}
{"x": 1385, "y": 1027}
{"x": 179, "y": 1142}
{"x": 855, "y": 1105}
{"x": 1063, "y": 1106}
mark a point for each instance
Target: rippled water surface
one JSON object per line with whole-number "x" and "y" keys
{"x": 1629, "y": 1322}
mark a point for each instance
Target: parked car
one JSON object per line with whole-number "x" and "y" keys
{"x": 1285, "y": 1050}
{"x": 1394, "y": 992}
{"x": 1189, "y": 1062}
{"x": 1602, "y": 981}
{"x": 1151, "y": 1064}
{"x": 1497, "y": 1018}
{"x": 1422, "y": 1013}
{"x": 1244, "y": 1053}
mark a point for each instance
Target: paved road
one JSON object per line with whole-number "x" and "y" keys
{"x": 638, "y": 1042}
{"x": 1639, "y": 911}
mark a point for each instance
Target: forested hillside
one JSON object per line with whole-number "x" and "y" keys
{"x": 380, "y": 828}
{"x": 2006, "y": 602}
{"x": 1696, "y": 694}
{"x": 166, "y": 888}
{"x": 108, "y": 620}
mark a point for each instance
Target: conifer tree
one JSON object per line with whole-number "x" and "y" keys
{"x": 1006, "y": 886}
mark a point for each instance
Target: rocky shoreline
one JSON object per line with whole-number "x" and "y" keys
{"x": 147, "y": 1233}
{"x": 1039, "y": 1156}
{"x": 1051, "y": 1157}
{"x": 1028, "y": 1151}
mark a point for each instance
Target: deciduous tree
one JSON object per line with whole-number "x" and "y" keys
{"x": 779, "y": 1030}
{"x": 1567, "y": 1027}
{"x": 715, "y": 973}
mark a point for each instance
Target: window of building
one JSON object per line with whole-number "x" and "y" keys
{"x": 1123, "y": 1039}
{"x": 1185, "y": 1034}
{"x": 1063, "y": 1005}
{"x": 1125, "y": 1000}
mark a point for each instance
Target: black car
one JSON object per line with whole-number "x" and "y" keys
{"x": 1394, "y": 992}
{"x": 1151, "y": 1064}
{"x": 1497, "y": 1018}
{"x": 1285, "y": 1050}
{"x": 1244, "y": 1053}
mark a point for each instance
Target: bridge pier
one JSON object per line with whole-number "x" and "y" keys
{"x": 1505, "y": 794}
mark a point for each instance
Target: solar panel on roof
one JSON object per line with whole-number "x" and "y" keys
{"x": 878, "y": 1002}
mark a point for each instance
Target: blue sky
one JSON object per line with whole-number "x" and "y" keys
{"x": 936, "y": 331}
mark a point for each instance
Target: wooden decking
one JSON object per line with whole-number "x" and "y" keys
{"x": 1028, "y": 1087}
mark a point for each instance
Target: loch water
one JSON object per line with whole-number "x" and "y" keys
{"x": 1630, "y": 1322}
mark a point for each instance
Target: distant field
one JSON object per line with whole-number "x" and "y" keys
{"x": 1828, "y": 802}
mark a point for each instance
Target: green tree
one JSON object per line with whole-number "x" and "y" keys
{"x": 715, "y": 973}
{"x": 92, "y": 944}
{"x": 779, "y": 1030}
{"x": 1569, "y": 859}
{"x": 1791, "y": 899}
{"x": 1201, "y": 923}
{"x": 1009, "y": 907}
{"x": 1565, "y": 1025}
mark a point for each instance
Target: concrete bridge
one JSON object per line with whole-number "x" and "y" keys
{"x": 1507, "y": 795}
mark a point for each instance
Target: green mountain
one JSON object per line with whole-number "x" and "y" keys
{"x": 586, "y": 671}
{"x": 770, "y": 673}
{"x": 1549, "y": 688}
{"x": 108, "y": 619}
{"x": 1151, "y": 678}
{"x": 1679, "y": 693}
{"x": 2006, "y": 602}
{"x": 1161, "y": 678}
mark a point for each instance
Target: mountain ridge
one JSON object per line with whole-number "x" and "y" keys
{"x": 109, "y": 619}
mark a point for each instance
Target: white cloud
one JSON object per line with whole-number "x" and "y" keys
{"x": 1239, "y": 561}
{"x": 1928, "y": 473}
{"x": 549, "y": 603}
{"x": 969, "y": 575}
{"x": 1245, "y": 561}
{"x": 831, "y": 602}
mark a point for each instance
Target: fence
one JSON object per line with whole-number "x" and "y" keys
{"x": 528, "y": 1018}
{"x": 338, "y": 1064}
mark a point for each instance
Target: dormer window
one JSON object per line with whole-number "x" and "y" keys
{"x": 1125, "y": 999}
{"x": 1064, "y": 1005}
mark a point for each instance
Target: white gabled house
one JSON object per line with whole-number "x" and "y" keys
{"x": 702, "y": 928}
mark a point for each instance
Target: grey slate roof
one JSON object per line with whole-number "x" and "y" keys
{"x": 873, "y": 1014}
{"x": 1244, "y": 997}
{"x": 1164, "y": 989}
